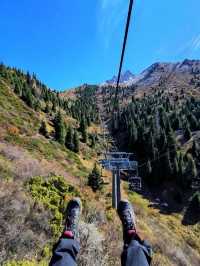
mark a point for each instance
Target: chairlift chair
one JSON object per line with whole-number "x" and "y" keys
{"x": 135, "y": 183}
{"x": 195, "y": 183}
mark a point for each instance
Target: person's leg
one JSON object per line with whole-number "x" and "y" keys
{"x": 136, "y": 252}
{"x": 67, "y": 248}
{"x": 65, "y": 252}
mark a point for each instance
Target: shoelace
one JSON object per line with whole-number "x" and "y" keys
{"x": 127, "y": 220}
{"x": 71, "y": 218}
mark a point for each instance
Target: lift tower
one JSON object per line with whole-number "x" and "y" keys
{"x": 117, "y": 162}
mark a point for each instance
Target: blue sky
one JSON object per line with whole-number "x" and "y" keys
{"x": 67, "y": 43}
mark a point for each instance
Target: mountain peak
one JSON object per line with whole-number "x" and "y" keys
{"x": 126, "y": 77}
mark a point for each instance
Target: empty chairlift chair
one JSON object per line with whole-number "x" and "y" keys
{"x": 135, "y": 183}
{"x": 195, "y": 183}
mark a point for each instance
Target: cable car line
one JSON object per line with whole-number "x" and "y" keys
{"x": 123, "y": 50}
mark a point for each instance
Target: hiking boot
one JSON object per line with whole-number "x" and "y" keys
{"x": 73, "y": 213}
{"x": 127, "y": 217}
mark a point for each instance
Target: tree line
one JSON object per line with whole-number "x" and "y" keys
{"x": 39, "y": 97}
{"x": 154, "y": 126}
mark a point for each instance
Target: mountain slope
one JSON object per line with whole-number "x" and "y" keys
{"x": 38, "y": 175}
{"x": 177, "y": 74}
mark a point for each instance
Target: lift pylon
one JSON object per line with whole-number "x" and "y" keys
{"x": 117, "y": 162}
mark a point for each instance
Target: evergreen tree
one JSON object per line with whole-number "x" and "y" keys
{"x": 175, "y": 167}
{"x": 193, "y": 122}
{"x": 27, "y": 96}
{"x": 54, "y": 106}
{"x": 94, "y": 179}
{"x": 195, "y": 203}
{"x": 59, "y": 128}
{"x": 172, "y": 144}
{"x": 167, "y": 166}
{"x": 17, "y": 89}
{"x": 84, "y": 136}
{"x": 43, "y": 129}
{"x": 191, "y": 170}
{"x": 37, "y": 105}
{"x": 76, "y": 142}
{"x": 28, "y": 78}
{"x": 69, "y": 139}
{"x": 83, "y": 130}
{"x": 93, "y": 140}
{"x": 148, "y": 172}
{"x": 195, "y": 149}
{"x": 151, "y": 149}
{"x": 181, "y": 168}
{"x": 162, "y": 141}
{"x": 133, "y": 135}
{"x": 47, "y": 108}
{"x": 187, "y": 133}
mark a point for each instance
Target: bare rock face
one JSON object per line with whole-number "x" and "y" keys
{"x": 126, "y": 78}
{"x": 181, "y": 72}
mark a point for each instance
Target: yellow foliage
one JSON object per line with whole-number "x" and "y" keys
{"x": 13, "y": 130}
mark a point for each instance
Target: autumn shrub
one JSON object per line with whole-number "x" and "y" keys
{"x": 13, "y": 130}
{"x": 51, "y": 192}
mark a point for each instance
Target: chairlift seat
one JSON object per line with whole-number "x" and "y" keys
{"x": 135, "y": 183}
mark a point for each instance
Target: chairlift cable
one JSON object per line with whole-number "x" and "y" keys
{"x": 123, "y": 50}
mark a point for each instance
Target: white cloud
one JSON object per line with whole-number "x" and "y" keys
{"x": 111, "y": 14}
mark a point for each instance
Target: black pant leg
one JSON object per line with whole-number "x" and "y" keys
{"x": 136, "y": 254}
{"x": 65, "y": 253}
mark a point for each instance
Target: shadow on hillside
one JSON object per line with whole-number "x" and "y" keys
{"x": 167, "y": 201}
{"x": 173, "y": 202}
{"x": 166, "y": 209}
{"x": 191, "y": 216}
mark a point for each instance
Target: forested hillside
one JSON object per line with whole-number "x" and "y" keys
{"x": 50, "y": 144}
{"x": 48, "y": 148}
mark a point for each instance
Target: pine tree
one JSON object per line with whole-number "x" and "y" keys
{"x": 28, "y": 78}
{"x": 172, "y": 144}
{"x": 195, "y": 203}
{"x": 37, "y": 105}
{"x": 187, "y": 133}
{"x": 83, "y": 130}
{"x": 148, "y": 172}
{"x": 69, "y": 139}
{"x": 76, "y": 142}
{"x": 54, "y": 106}
{"x": 175, "y": 167}
{"x": 191, "y": 170}
{"x": 167, "y": 166}
{"x": 27, "y": 96}
{"x": 93, "y": 141}
{"x": 181, "y": 172}
{"x": 195, "y": 149}
{"x": 47, "y": 108}
{"x": 85, "y": 136}
{"x": 43, "y": 129}
{"x": 17, "y": 89}
{"x": 193, "y": 122}
{"x": 59, "y": 128}
{"x": 162, "y": 141}
{"x": 29, "y": 99}
{"x": 133, "y": 135}
{"x": 151, "y": 149}
{"x": 94, "y": 179}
